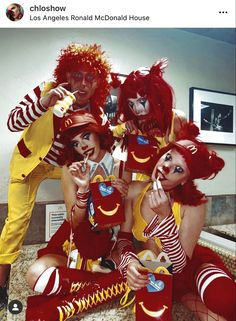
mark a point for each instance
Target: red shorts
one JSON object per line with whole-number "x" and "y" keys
{"x": 90, "y": 244}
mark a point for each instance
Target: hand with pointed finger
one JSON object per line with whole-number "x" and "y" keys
{"x": 159, "y": 201}
{"x": 137, "y": 276}
{"x": 121, "y": 185}
{"x": 79, "y": 172}
{"x": 55, "y": 94}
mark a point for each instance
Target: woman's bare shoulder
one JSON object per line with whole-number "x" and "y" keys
{"x": 193, "y": 212}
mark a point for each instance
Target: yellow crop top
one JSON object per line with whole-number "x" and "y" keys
{"x": 139, "y": 222}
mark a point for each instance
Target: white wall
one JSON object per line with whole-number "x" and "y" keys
{"x": 27, "y": 57}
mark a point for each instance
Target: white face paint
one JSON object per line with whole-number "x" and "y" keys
{"x": 171, "y": 169}
{"x": 139, "y": 106}
{"x": 88, "y": 144}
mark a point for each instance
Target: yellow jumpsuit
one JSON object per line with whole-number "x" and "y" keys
{"x": 26, "y": 174}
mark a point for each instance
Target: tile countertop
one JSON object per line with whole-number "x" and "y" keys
{"x": 228, "y": 229}
{"x": 222, "y": 236}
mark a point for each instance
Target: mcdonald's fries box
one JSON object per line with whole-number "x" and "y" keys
{"x": 141, "y": 154}
{"x": 154, "y": 302}
{"x": 105, "y": 206}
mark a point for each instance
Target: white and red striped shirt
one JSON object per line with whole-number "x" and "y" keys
{"x": 167, "y": 232}
{"x": 27, "y": 111}
{"x": 30, "y": 109}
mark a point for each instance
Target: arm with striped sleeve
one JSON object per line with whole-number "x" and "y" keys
{"x": 27, "y": 111}
{"x": 125, "y": 249}
{"x": 167, "y": 232}
{"x": 124, "y": 244}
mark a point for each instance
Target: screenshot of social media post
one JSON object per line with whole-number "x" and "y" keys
{"x": 117, "y": 161}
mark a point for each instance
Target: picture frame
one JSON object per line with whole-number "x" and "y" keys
{"x": 214, "y": 112}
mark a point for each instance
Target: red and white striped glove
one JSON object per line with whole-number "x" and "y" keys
{"x": 167, "y": 232}
{"x": 125, "y": 249}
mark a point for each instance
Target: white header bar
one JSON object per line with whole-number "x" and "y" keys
{"x": 121, "y": 14}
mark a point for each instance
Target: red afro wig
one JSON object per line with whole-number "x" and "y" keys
{"x": 76, "y": 123}
{"x": 75, "y": 56}
{"x": 149, "y": 83}
{"x": 202, "y": 163}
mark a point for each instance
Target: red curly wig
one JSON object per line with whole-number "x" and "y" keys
{"x": 149, "y": 83}
{"x": 76, "y": 123}
{"x": 73, "y": 57}
{"x": 202, "y": 163}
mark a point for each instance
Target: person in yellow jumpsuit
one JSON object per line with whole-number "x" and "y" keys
{"x": 81, "y": 82}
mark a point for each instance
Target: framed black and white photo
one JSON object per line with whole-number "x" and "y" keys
{"x": 112, "y": 100}
{"x": 215, "y": 114}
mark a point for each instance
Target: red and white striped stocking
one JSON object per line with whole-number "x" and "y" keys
{"x": 217, "y": 290}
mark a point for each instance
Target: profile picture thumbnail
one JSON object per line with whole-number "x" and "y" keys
{"x": 14, "y": 12}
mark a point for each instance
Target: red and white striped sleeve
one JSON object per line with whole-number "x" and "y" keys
{"x": 125, "y": 249}
{"x": 27, "y": 111}
{"x": 167, "y": 232}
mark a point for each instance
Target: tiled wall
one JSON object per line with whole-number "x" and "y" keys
{"x": 220, "y": 210}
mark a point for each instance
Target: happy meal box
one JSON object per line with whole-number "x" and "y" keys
{"x": 105, "y": 206}
{"x": 141, "y": 153}
{"x": 154, "y": 302}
